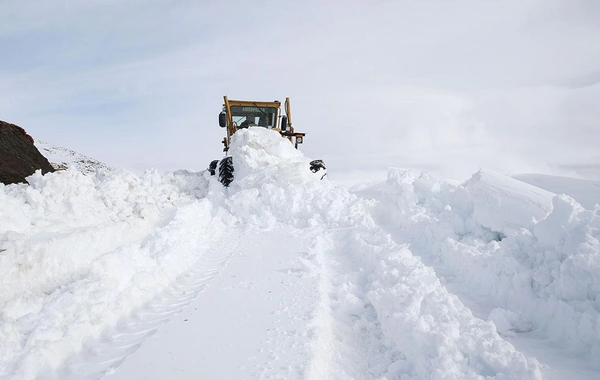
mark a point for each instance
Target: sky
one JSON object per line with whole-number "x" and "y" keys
{"x": 443, "y": 86}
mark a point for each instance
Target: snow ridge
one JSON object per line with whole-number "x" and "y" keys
{"x": 537, "y": 276}
{"x": 84, "y": 252}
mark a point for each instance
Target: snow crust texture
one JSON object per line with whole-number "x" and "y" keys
{"x": 416, "y": 278}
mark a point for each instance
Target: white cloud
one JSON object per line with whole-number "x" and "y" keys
{"x": 448, "y": 85}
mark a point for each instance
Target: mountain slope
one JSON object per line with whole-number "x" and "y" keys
{"x": 62, "y": 158}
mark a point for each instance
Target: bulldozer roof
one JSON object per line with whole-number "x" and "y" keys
{"x": 252, "y": 103}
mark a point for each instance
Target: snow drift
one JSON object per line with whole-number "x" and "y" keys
{"x": 531, "y": 257}
{"x": 395, "y": 264}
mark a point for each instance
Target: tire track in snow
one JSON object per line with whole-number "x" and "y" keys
{"x": 348, "y": 342}
{"x": 322, "y": 344}
{"x": 101, "y": 356}
{"x": 252, "y": 322}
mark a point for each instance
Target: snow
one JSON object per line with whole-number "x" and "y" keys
{"x": 283, "y": 275}
{"x": 587, "y": 193}
{"x": 264, "y": 287}
{"x": 502, "y": 203}
{"x": 482, "y": 238}
{"x": 62, "y": 158}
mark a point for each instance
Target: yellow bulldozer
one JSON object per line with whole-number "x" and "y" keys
{"x": 238, "y": 114}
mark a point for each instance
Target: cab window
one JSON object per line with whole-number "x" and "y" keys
{"x": 254, "y": 116}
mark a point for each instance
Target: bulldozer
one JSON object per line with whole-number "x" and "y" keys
{"x": 238, "y": 114}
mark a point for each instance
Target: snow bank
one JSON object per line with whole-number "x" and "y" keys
{"x": 427, "y": 332}
{"x": 531, "y": 255}
{"x": 502, "y": 203}
{"x": 67, "y": 219}
{"x": 568, "y": 256}
{"x": 77, "y": 252}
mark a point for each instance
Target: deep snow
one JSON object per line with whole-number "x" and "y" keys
{"x": 282, "y": 275}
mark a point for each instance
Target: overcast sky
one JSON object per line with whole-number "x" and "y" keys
{"x": 448, "y": 86}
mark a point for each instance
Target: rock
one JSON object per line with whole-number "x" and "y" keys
{"x": 19, "y": 158}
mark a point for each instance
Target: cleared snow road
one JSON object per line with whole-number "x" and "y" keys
{"x": 286, "y": 276}
{"x": 252, "y": 319}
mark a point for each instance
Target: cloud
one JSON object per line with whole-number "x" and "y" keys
{"x": 445, "y": 85}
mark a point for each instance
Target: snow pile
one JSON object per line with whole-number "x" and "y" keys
{"x": 566, "y": 272}
{"x": 428, "y": 333}
{"x": 78, "y": 252}
{"x": 533, "y": 257}
{"x": 262, "y": 155}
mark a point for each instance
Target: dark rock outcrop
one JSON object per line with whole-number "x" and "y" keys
{"x": 19, "y": 157}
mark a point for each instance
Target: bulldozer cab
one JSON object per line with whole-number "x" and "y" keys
{"x": 237, "y": 114}
{"x": 243, "y": 116}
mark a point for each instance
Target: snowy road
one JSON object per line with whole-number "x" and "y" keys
{"x": 284, "y": 276}
{"x": 238, "y": 321}
{"x": 271, "y": 305}
{"x": 118, "y": 343}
